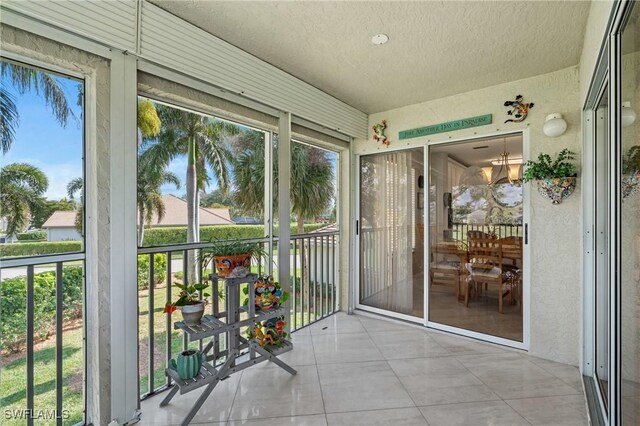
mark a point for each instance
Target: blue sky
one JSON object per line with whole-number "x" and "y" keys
{"x": 41, "y": 141}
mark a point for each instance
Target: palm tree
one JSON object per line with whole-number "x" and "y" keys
{"x": 27, "y": 79}
{"x": 21, "y": 186}
{"x": 150, "y": 202}
{"x": 311, "y": 187}
{"x": 75, "y": 186}
{"x": 149, "y": 178}
{"x": 202, "y": 139}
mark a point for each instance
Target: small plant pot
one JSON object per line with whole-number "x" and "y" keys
{"x": 224, "y": 265}
{"x": 188, "y": 364}
{"x": 630, "y": 184}
{"x": 556, "y": 189}
{"x": 192, "y": 314}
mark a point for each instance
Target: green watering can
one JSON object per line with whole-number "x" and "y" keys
{"x": 188, "y": 364}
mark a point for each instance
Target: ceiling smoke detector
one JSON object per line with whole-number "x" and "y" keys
{"x": 379, "y": 39}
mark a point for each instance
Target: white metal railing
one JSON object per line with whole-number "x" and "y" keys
{"x": 313, "y": 296}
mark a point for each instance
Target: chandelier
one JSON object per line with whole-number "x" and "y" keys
{"x": 509, "y": 170}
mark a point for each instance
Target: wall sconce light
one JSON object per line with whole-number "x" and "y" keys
{"x": 554, "y": 125}
{"x": 628, "y": 114}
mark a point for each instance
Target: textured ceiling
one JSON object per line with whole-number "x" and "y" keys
{"x": 435, "y": 49}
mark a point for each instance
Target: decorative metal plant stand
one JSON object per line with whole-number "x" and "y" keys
{"x": 230, "y": 322}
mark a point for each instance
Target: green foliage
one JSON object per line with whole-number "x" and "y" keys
{"x": 13, "y": 305}
{"x": 545, "y": 168}
{"x": 219, "y": 199}
{"x": 189, "y": 295}
{"x": 148, "y": 120}
{"x": 159, "y": 269}
{"x": 21, "y": 188}
{"x": 631, "y": 161}
{"x": 312, "y": 180}
{"x": 178, "y": 235}
{"x": 32, "y": 236}
{"x": 38, "y": 248}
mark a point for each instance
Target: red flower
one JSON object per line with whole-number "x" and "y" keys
{"x": 170, "y": 308}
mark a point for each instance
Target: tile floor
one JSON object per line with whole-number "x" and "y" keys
{"x": 359, "y": 370}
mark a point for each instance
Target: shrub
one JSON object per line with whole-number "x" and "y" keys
{"x": 159, "y": 269}
{"x": 13, "y": 305}
{"x": 38, "y": 248}
{"x": 178, "y": 235}
{"x": 32, "y": 236}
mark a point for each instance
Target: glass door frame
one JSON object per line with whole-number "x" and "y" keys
{"x": 424, "y": 144}
{"x": 608, "y": 70}
{"x": 355, "y": 294}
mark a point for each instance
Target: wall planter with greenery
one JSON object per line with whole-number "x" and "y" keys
{"x": 631, "y": 171}
{"x": 555, "y": 179}
{"x": 227, "y": 255}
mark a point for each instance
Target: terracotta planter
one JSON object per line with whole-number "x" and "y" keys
{"x": 192, "y": 314}
{"x": 226, "y": 264}
{"x": 556, "y": 189}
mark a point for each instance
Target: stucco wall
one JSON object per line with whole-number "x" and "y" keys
{"x": 555, "y": 231}
{"x": 97, "y": 203}
{"x": 63, "y": 234}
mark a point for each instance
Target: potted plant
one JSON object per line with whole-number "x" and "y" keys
{"x": 630, "y": 171}
{"x": 268, "y": 293}
{"x": 556, "y": 179}
{"x": 227, "y": 255}
{"x": 189, "y": 302}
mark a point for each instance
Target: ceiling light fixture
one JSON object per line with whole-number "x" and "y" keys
{"x": 509, "y": 168}
{"x": 379, "y": 39}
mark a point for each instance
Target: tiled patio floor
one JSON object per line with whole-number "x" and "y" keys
{"x": 357, "y": 370}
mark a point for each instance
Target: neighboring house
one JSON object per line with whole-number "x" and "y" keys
{"x": 176, "y": 214}
{"x": 61, "y": 226}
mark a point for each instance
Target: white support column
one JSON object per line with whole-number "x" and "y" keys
{"x": 123, "y": 259}
{"x": 268, "y": 199}
{"x": 284, "y": 209}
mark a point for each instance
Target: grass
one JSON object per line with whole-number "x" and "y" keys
{"x": 13, "y": 379}
{"x": 13, "y": 367}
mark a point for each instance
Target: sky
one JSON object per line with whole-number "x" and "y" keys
{"x": 41, "y": 141}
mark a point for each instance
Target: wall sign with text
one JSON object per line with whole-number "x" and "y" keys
{"x": 465, "y": 123}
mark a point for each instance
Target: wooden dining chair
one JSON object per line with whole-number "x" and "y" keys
{"x": 512, "y": 266}
{"x": 485, "y": 266}
{"x": 447, "y": 265}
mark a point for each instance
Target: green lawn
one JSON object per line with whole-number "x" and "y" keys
{"x": 13, "y": 372}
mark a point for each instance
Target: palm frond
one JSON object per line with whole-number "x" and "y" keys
{"x": 9, "y": 119}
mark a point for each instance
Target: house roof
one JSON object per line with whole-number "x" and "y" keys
{"x": 61, "y": 219}
{"x": 175, "y": 215}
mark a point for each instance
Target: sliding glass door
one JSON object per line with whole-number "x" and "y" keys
{"x": 476, "y": 264}
{"x": 390, "y": 232}
{"x": 629, "y": 206}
